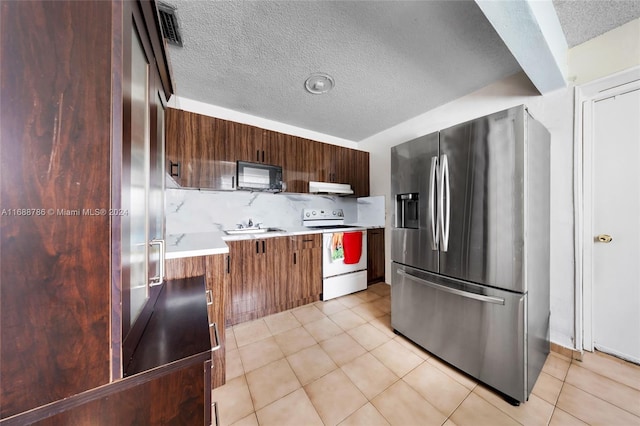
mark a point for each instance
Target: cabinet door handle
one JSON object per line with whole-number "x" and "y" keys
{"x": 215, "y": 413}
{"x": 263, "y": 156}
{"x": 174, "y": 169}
{"x": 209, "y": 297}
{"x": 257, "y": 155}
{"x": 294, "y": 258}
{"x": 228, "y": 264}
{"x": 159, "y": 279}
{"x": 233, "y": 181}
{"x": 216, "y": 337}
{"x": 257, "y": 247}
{"x": 263, "y": 249}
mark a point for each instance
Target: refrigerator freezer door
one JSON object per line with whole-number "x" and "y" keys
{"x": 413, "y": 237}
{"x": 477, "y": 329}
{"x": 486, "y": 198}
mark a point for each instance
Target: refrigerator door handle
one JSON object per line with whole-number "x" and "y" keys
{"x": 467, "y": 294}
{"x": 444, "y": 207}
{"x": 432, "y": 203}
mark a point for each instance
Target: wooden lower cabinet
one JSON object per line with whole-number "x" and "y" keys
{"x": 271, "y": 275}
{"x": 375, "y": 255}
{"x": 176, "y": 396}
{"x": 215, "y": 268}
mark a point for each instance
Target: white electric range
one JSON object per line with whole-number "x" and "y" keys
{"x": 338, "y": 278}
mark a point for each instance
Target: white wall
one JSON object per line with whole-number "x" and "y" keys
{"x": 614, "y": 51}
{"x": 555, "y": 111}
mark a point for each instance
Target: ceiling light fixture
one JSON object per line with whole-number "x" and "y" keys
{"x": 319, "y": 83}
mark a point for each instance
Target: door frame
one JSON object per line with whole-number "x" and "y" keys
{"x": 585, "y": 98}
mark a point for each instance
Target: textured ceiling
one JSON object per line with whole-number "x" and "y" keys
{"x": 584, "y": 20}
{"x": 391, "y": 61}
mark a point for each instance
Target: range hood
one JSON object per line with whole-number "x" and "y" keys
{"x": 330, "y": 188}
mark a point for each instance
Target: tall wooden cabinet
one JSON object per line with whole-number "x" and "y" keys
{"x": 55, "y": 159}
{"x": 68, "y": 125}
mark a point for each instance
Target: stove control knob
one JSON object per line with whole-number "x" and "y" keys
{"x": 307, "y": 214}
{"x": 334, "y": 212}
{"x": 339, "y": 213}
{"x": 313, "y": 212}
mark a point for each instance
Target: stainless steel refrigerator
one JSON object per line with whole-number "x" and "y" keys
{"x": 470, "y": 247}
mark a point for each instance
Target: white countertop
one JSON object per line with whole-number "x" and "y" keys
{"x": 208, "y": 243}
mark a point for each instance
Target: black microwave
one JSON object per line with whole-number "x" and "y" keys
{"x": 259, "y": 177}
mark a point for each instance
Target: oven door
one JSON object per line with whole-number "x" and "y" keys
{"x": 332, "y": 267}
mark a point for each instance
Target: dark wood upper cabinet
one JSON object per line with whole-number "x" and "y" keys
{"x": 202, "y": 151}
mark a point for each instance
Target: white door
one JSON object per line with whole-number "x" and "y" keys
{"x": 616, "y": 214}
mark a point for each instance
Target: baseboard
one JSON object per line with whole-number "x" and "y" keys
{"x": 568, "y": 352}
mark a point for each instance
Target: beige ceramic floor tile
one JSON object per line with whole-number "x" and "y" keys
{"x": 347, "y": 319}
{"x": 593, "y": 410}
{"x": 556, "y": 365}
{"x": 547, "y": 387}
{"x": 350, "y": 300}
{"x": 342, "y": 348}
{"x": 234, "y": 400}
{"x": 271, "y": 382}
{"x": 383, "y": 324}
{"x": 412, "y": 347}
{"x": 397, "y": 358}
{"x": 250, "y": 332}
{"x": 449, "y": 422}
{"x": 367, "y": 296}
{"x": 614, "y": 392}
{"x": 330, "y": 307}
{"x": 562, "y": 418}
{"x": 260, "y": 353}
{"x": 475, "y": 411}
{"x": 368, "y": 336}
{"x": 367, "y": 311}
{"x": 308, "y": 313}
{"x": 230, "y": 339}
{"x": 334, "y": 397}
{"x": 367, "y": 415}
{"x": 323, "y": 329}
{"x": 281, "y": 322}
{"x": 382, "y": 289}
{"x": 401, "y": 405}
{"x": 250, "y": 420}
{"x": 460, "y": 377}
{"x": 369, "y": 375}
{"x": 294, "y": 409}
{"x": 311, "y": 363}
{"x": 233, "y": 364}
{"x": 535, "y": 411}
{"x": 294, "y": 340}
{"x": 613, "y": 368}
{"x": 383, "y": 304}
{"x": 440, "y": 390}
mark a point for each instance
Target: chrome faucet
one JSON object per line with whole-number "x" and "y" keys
{"x": 250, "y": 223}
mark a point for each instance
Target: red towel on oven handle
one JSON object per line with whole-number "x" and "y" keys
{"x": 352, "y": 245}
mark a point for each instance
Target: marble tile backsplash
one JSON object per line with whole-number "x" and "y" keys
{"x": 190, "y": 211}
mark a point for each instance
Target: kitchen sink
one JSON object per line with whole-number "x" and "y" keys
{"x": 252, "y": 231}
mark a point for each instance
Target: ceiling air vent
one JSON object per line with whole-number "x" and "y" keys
{"x": 169, "y": 23}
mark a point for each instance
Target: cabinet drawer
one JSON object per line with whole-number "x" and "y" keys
{"x": 301, "y": 242}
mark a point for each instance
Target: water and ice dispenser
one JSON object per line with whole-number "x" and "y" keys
{"x": 407, "y": 208}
